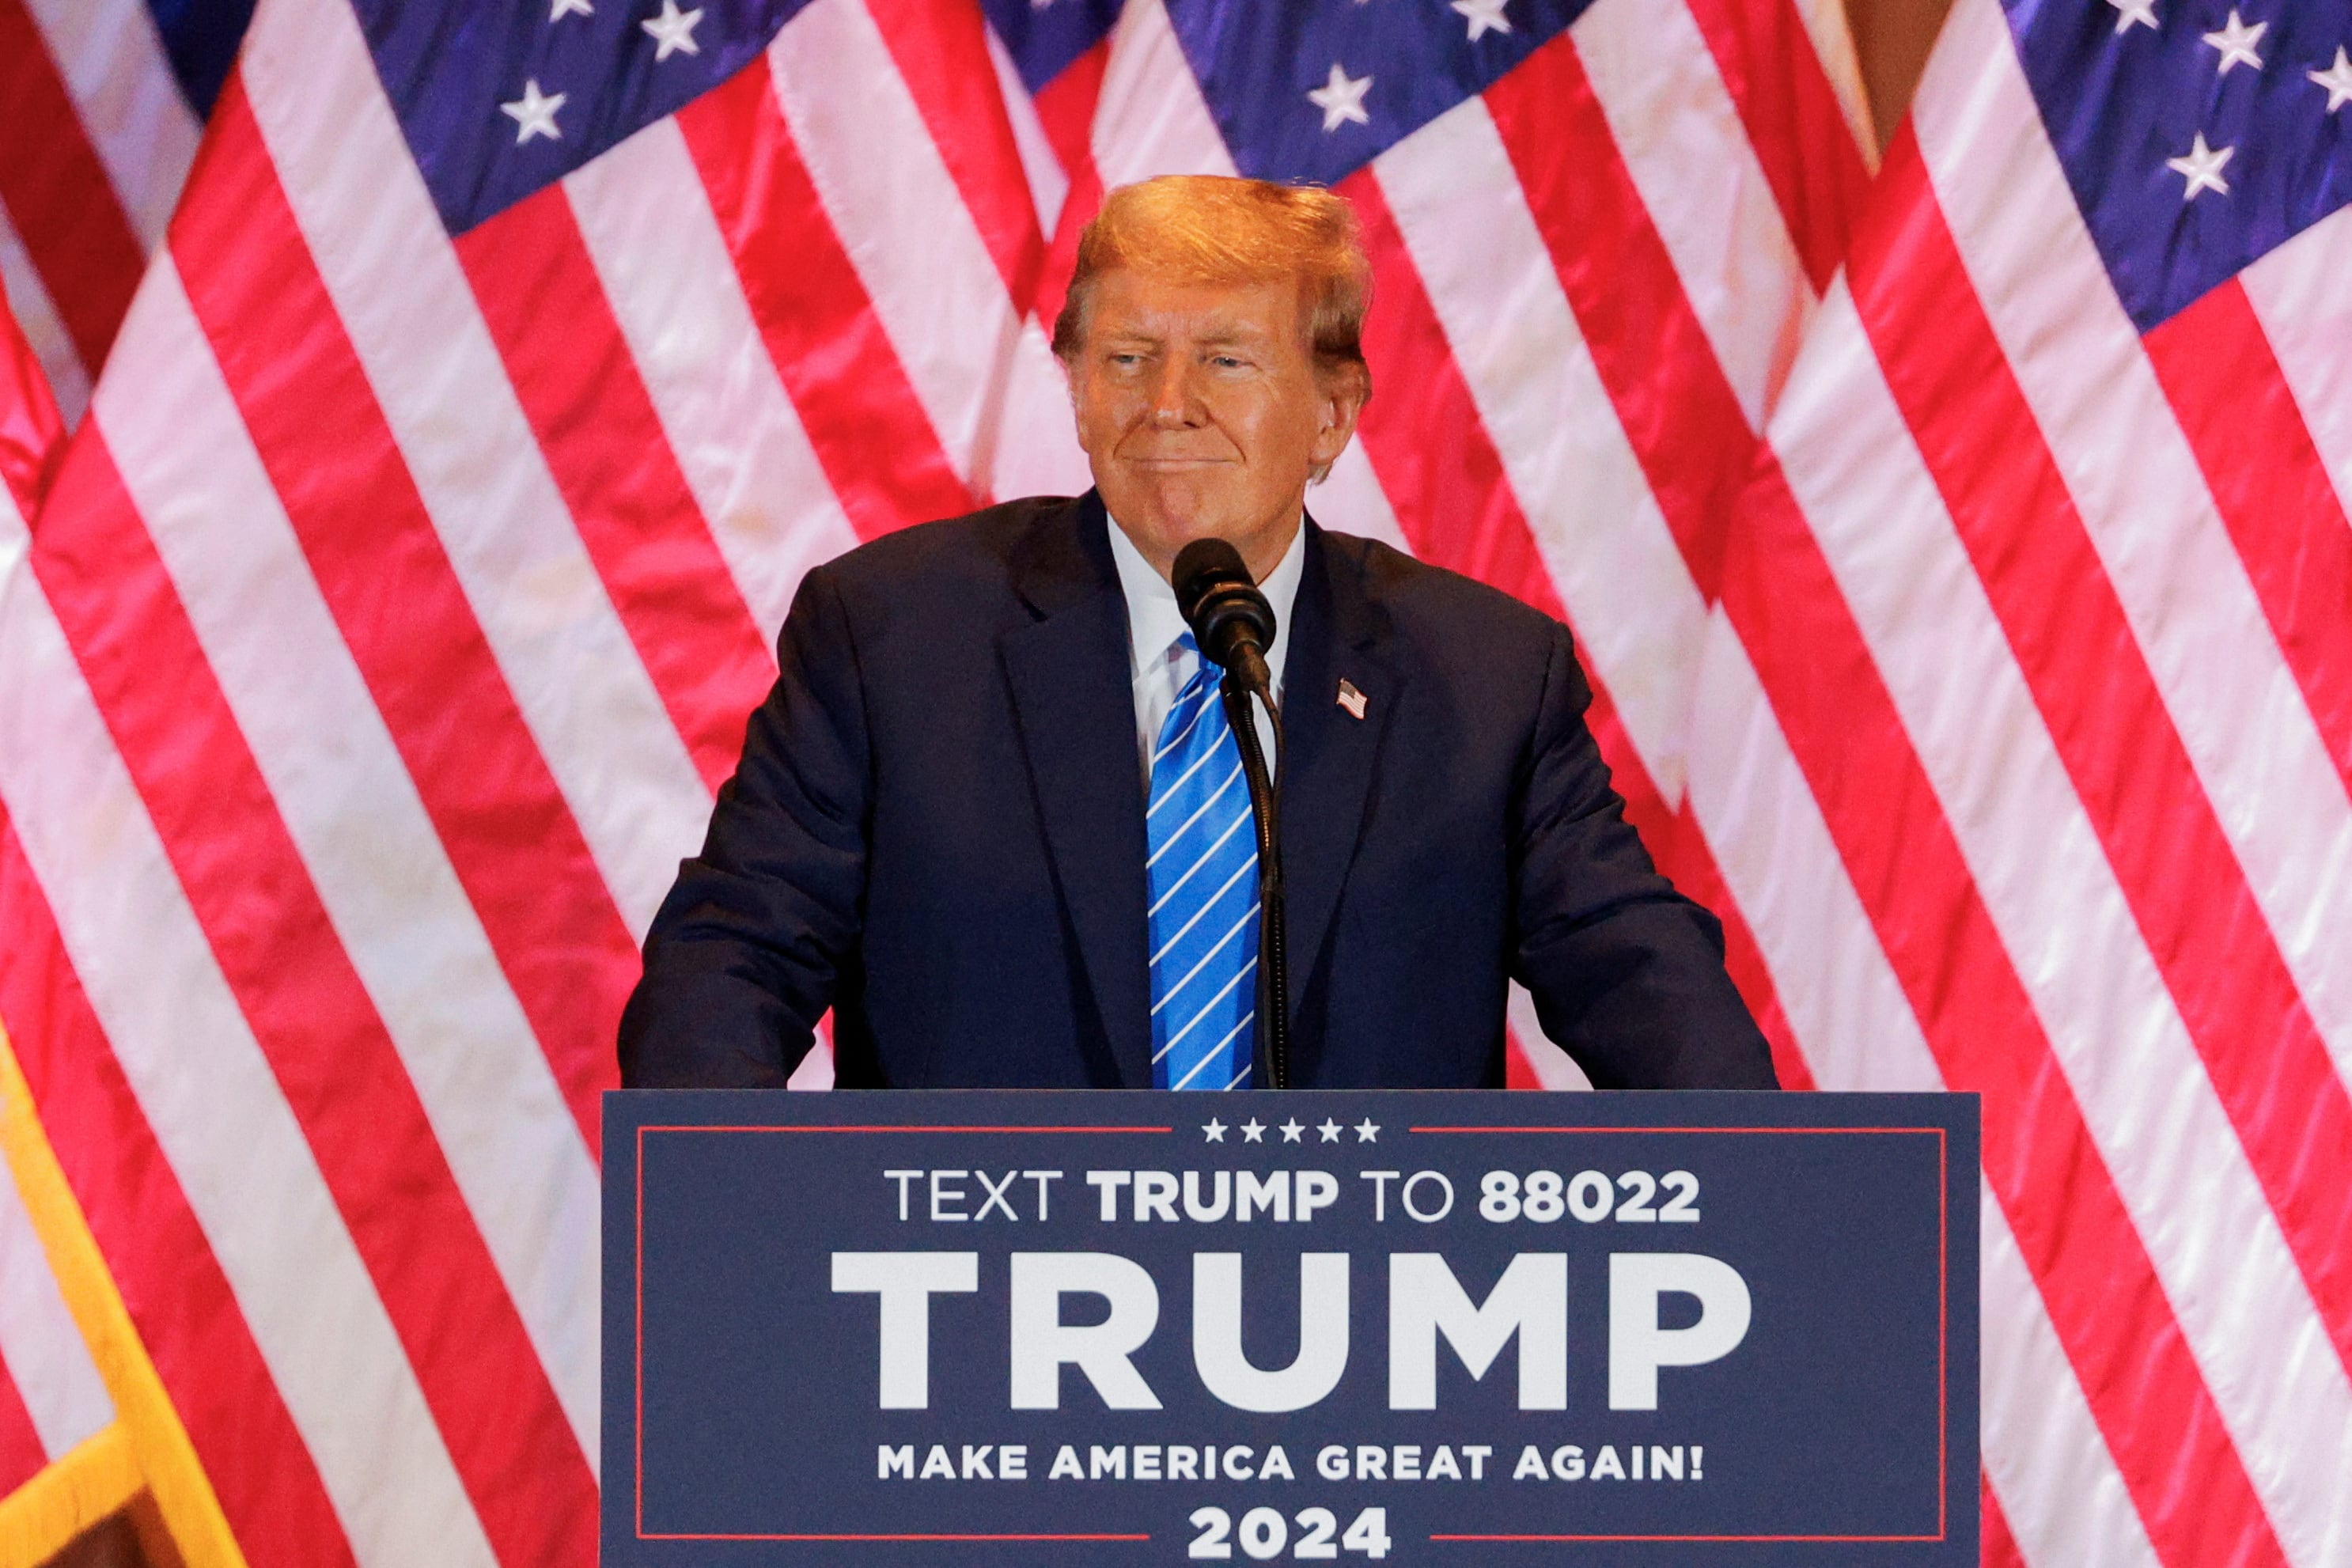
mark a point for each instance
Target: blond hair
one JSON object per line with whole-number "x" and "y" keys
{"x": 1213, "y": 228}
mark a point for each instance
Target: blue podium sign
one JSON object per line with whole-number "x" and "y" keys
{"x": 1412, "y": 1327}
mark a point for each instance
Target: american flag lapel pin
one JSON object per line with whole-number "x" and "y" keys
{"x": 1350, "y": 699}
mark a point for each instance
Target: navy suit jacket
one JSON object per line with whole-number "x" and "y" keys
{"x": 937, "y": 831}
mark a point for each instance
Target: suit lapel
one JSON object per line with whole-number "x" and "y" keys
{"x": 1071, "y": 687}
{"x": 1327, "y": 776}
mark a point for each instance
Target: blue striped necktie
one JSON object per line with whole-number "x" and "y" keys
{"x": 1202, "y": 877}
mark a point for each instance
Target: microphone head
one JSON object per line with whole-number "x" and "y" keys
{"x": 1220, "y": 601}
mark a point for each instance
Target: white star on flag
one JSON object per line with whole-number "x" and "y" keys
{"x": 2201, "y": 165}
{"x": 534, "y": 113}
{"x": 2338, "y": 79}
{"x": 1341, "y": 99}
{"x": 673, "y": 30}
{"x": 571, "y": 8}
{"x": 1487, "y": 16}
{"x": 2236, "y": 41}
{"x": 2131, "y": 13}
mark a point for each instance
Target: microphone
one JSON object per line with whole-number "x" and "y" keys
{"x": 1234, "y": 625}
{"x": 1230, "y": 618}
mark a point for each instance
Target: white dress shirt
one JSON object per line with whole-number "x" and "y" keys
{"x": 1159, "y": 668}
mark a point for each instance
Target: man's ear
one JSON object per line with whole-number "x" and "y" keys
{"x": 1345, "y": 391}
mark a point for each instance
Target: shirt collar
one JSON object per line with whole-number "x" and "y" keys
{"x": 1153, "y": 622}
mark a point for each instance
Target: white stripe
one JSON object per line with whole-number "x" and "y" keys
{"x": 2065, "y": 1501}
{"x": 1049, "y": 183}
{"x": 1151, "y": 119}
{"x": 657, "y": 249}
{"x": 2243, "y": 1306}
{"x": 2298, "y": 294}
{"x": 114, "y": 67}
{"x": 1213, "y": 1052}
{"x": 216, "y": 1109}
{"x": 1232, "y": 827}
{"x": 339, "y": 786}
{"x": 1638, "y": 615}
{"x": 45, "y": 329}
{"x": 1204, "y": 758}
{"x": 411, "y": 314}
{"x": 1553, "y": 1068}
{"x": 2143, "y": 501}
{"x": 1241, "y": 1077}
{"x": 983, "y": 374}
{"x": 1830, "y": 30}
{"x": 1238, "y": 927}
{"x": 1199, "y": 708}
{"x": 41, "y": 1348}
{"x": 1679, "y": 134}
{"x": 1227, "y": 991}
{"x": 1351, "y": 500}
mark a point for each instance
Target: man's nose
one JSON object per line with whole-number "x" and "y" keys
{"x": 1172, "y": 403}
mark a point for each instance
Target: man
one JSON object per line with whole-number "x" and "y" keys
{"x": 991, "y": 813}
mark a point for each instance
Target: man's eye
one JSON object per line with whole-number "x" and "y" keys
{"x": 1226, "y": 362}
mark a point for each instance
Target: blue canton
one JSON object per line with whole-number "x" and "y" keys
{"x": 1315, "y": 92}
{"x": 200, "y": 39}
{"x": 1201, "y": 878}
{"x": 459, "y": 75}
{"x": 2198, "y": 135}
{"x": 1044, "y": 39}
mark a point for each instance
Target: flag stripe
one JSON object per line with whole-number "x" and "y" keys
{"x": 665, "y": 269}
{"x": 939, "y": 50}
{"x": 356, "y": 1107}
{"x": 2227, "y": 386}
{"x": 206, "y": 1091}
{"x": 46, "y": 1372}
{"x": 2043, "y": 1452}
{"x": 2298, "y": 295}
{"x": 285, "y": 683}
{"x": 2085, "y": 374}
{"x": 1932, "y": 916}
{"x": 593, "y": 418}
{"x": 406, "y": 309}
{"x": 404, "y": 620}
{"x": 112, "y": 60}
{"x": 44, "y": 333}
{"x": 57, "y": 193}
{"x": 267, "y": 1482}
{"x": 982, "y": 375}
{"x": 22, "y": 1456}
{"x": 2077, "y": 657}
{"x": 843, "y": 376}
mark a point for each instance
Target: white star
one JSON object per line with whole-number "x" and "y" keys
{"x": 1253, "y": 1130}
{"x": 1291, "y": 1131}
{"x": 1330, "y": 1130}
{"x": 1367, "y": 1132}
{"x": 2135, "y": 11}
{"x": 1213, "y": 1131}
{"x": 534, "y": 113}
{"x": 673, "y": 30}
{"x": 1341, "y": 99}
{"x": 2338, "y": 79}
{"x": 1487, "y": 16}
{"x": 2236, "y": 41}
{"x": 571, "y": 8}
{"x": 2202, "y": 167}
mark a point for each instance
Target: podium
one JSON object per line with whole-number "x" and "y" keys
{"x": 1457, "y": 1328}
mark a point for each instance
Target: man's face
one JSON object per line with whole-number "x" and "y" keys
{"x": 1203, "y": 414}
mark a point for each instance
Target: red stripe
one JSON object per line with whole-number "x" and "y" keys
{"x": 1794, "y": 122}
{"x": 29, "y": 429}
{"x": 178, "y": 1299}
{"x": 1997, "y": 1547}
{"x": 1679, "y": 411}
{"x": 2075, "y": 647}
{"x": 342, "y": 1076}
{"x": 940, "y": 47}
{"x": 579, "y": 386}
{"x": 57, "y": 194}
{"x": 21, "y": 1454}
{"x": 1066, "y": 108}
{"x": 1443, "y": 479}
{"x": 388, "y": 582}
{"x": 2272, "y": 488}
{"x": 870, "y": 433}
{"x": 2109, "y": 1309}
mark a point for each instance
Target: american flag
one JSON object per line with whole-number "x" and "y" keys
{"x": 2046, "y": 580}
{"x": 391, "y": 620}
